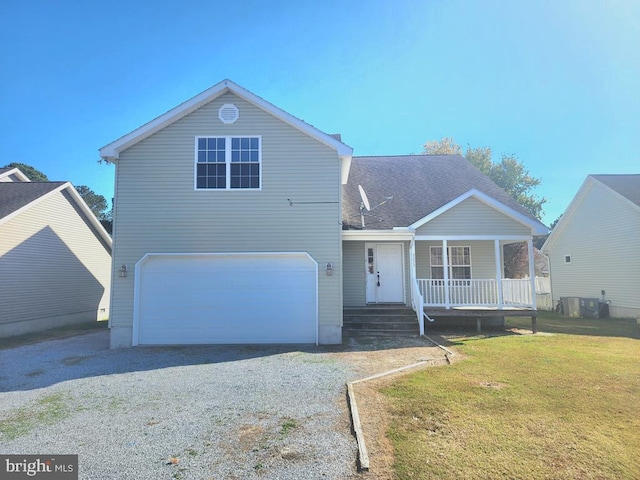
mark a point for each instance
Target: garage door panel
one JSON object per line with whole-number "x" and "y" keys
{"x": 248, "y": 298}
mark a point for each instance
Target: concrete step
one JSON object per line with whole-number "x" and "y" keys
{"x": 378, "y": 333}
{"x": 380, "y": 320}
{"x": 378, "y": 310}
{"x": 405, "y": 326}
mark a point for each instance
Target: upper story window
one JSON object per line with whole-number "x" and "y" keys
{"x": 228, "y": 163}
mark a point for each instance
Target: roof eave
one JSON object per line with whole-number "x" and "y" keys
{"x": 111, "y": 151}
{"x": 537, "y": 228}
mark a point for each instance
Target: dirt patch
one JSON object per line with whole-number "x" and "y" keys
{"x": 250, "y": 436}
{"x": 371, "y": 356}
{"x": 375, "y": 419}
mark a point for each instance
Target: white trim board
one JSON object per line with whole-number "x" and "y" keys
{"x": 377, "y": 235}
{"x": 79, "y": 201}
{"x": 536, "y": 227}
{"x": 17, "y": 172}
{"x": 111, "y": 151}
{"x": 147, "y": 256}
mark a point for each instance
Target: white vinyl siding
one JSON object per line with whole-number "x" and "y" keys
{"x": 55, "y": 270}
{"x": 601, "y": 235}
{"x": 483, "y": 265}
{"x": 354, "y": 259}
{"x": 158, "y": 210}
{"x": 354, "y": 274}
{"x": 473, "y": 217}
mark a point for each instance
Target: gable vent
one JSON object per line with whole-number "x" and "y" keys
{"x": 228, "y": 113}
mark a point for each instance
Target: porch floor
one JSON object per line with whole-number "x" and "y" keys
{"x": 479, "y": 312}
{"x": 474, "y": 311}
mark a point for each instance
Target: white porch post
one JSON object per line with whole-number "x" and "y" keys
{"x": 496, "y": 244}
{"x": 532, "y": 274}
{"x": 412, "y": 266}
{"x": 445, "y": 267}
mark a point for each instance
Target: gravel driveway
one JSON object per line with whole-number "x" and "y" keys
{"x": 220, "y": 412}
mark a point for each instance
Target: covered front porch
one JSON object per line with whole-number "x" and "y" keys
{"x": 465, "y": 276}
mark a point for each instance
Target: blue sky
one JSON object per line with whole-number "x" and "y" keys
{"x": 557, "y": 83}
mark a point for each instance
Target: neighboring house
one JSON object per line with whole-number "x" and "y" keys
{"x": 55, "y": 257}
{"x": 235, "y": 222}
{"x": 595, "y": 247}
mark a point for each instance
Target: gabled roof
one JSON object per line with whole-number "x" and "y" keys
{"x": 111, "y": 152}
{"x": 626, "y": 185}
{"x": 16, "y": 197}
{"x": 421, "y": 185}
{"x": 6, "y": 172}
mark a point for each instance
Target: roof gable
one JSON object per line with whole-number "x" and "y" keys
{"x": 421, "y": 187}
{"x": 622, "y": 186}
{"x": 8, "y": 172}
{"x": 111, "y": 152}
{"x": 536, "y": 227}
{"x": 16, "y": 197}
{"x": 627, "y": 186}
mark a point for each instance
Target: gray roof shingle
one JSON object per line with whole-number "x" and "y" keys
{"x": 15, "y": 195}
{"x": 626, "y": 185}
{"x": 419, "y": 185}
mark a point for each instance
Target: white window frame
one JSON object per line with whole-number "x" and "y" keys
{"x": 450, "y": 264}
{"x": 565, "y": 257}
{"x": 228, "y": 163}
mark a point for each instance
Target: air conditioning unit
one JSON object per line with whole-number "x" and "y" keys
{"x": 589, "y": 307}
{"x": 570, "y": 306}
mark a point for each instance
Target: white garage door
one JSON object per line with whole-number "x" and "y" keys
{"x": 226, "y": 298}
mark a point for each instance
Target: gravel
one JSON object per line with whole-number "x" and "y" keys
{"x": 215, "y": 412}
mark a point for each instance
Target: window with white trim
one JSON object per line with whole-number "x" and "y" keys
{"x": 228, "y": 163}
{"x": 459, "y": 259}
{"x": 567, "y": 259}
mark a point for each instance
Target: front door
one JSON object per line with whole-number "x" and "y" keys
{"x": 384, "y": 273}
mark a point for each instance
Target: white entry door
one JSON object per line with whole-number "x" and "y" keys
{"x": 385, "y": 273}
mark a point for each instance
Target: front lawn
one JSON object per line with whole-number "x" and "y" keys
{"x": 555, "y": 405}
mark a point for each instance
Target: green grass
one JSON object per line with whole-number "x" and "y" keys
{"x": 553, "y": 406}
{"x": 61, "y": 332}
{"x": 47, "y": 410}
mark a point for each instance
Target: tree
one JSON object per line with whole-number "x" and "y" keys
{"x": 444, "y": 146}
{"x": 510, "y": 173}
{"x": 33, "y": 174}
{"x": 97, "y": 203}
{"x": 555, "y": 222}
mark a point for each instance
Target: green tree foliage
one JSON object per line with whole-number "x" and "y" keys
{"x": 33, "y": 174}
{"x": 555, "y": 222}
{"x": 97, "y": 203}
{"x": 509, "y": 173}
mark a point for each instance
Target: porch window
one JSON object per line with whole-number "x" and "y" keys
{"x": 459, "y": 262}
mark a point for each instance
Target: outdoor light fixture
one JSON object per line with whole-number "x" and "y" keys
{"x": 123, "y": 271}
{"x": 329, "y": 269}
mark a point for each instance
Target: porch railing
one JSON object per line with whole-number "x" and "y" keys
{"x": 475, "y": 292}
{"x": 418, "y": 304}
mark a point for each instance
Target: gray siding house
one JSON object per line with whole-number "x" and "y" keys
{"x": 236, "y": 222}
{"x": 55, "y": 257}
{"x": 594, "y": 246}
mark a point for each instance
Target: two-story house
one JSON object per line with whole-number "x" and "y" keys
{"x": 236, "y": 222}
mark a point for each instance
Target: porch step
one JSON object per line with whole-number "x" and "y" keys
{"x": 380, "y": 321}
